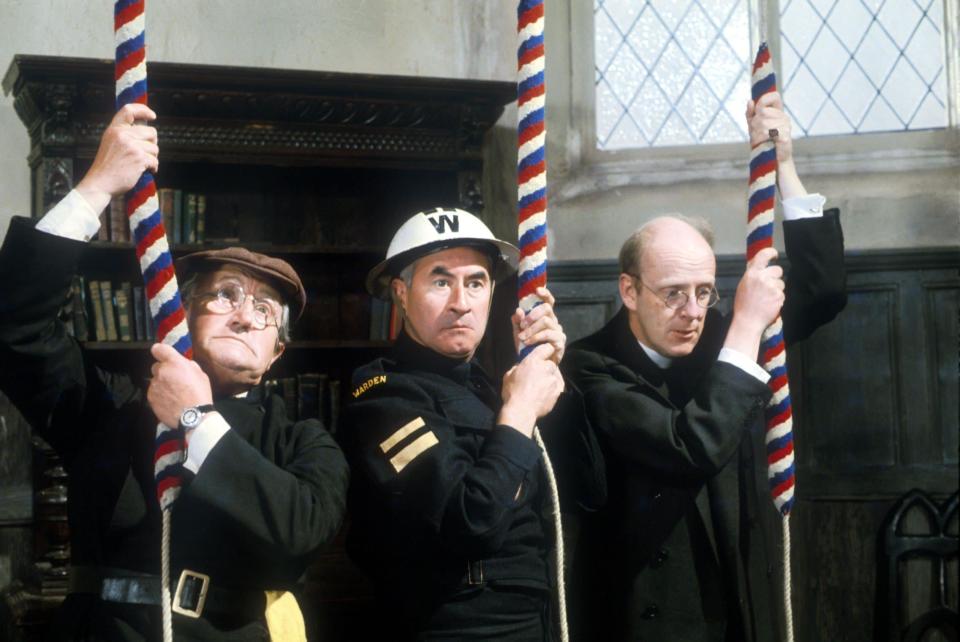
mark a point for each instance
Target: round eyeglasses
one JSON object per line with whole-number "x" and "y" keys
{"x": 706, "y": 296}
{"x": 230, "y": 297}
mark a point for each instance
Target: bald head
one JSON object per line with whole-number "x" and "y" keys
{"x": 665, "y": 232}
{"x": 674, "y": 256}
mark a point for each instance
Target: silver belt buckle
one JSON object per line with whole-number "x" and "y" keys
{"x": 191, "y": 576}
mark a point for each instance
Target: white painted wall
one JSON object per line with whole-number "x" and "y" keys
{"x": 449, "y": 38}
{"x": 590, "y": 213}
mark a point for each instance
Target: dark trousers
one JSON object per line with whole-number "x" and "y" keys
{"x": 484, "y": 612}
{"x": 86, "y": 618}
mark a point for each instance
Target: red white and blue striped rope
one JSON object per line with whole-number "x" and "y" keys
{"x": 149, "y": 236}
{"x": 160, "y": 280}
{"x": 779, "y": 415}
{"x": 531, "y": 153}
{"x": 532, "y": 221}
{"x": 773, "y": 355}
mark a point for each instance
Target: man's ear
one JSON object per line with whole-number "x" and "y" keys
{"x": 399, "y": 289}
{"x": 628, "y": 292}
{"x": 278, "y": 350}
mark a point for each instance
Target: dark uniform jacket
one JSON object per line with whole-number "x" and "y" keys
{"x": 687, "y": 547}
{"x": 266, "y": 497}
{"x": 443, "y": 500}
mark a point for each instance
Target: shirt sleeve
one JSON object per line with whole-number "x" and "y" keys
{"x": 745, "y": 363}
{"x": 807, "y": 206}
{"x": 72, "y": 218}
{"x": 204, "y": 438}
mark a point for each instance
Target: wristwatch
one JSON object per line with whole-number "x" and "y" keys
{"x": 191, "y": 417}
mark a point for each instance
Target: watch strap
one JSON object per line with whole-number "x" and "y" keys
{"x": 202, "y": 409}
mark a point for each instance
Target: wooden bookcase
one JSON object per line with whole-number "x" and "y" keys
{"x": 317, "y": 168}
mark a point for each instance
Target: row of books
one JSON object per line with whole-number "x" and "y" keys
{"x": 310, "y": 395}
{"x": 384, "y": 320}
{"x": 184, "y": 217}
{"x": 120, "y": 313}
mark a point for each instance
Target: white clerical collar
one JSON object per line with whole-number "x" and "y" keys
{"x": 661, "y": 361}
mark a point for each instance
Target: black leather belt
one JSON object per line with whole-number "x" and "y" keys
{"x": 192, "y": 594}
{"x": 478, "y": 572}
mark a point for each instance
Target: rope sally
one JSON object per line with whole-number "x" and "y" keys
{"x": 531, "y": 156}
{"x": 156, "y": 264}
{"x": 532, "y": 220}
{"x": 779, "y": 415}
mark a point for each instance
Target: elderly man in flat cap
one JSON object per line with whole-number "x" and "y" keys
{"x": 263, "y": 492}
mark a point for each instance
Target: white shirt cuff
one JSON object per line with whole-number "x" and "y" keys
{"x": 808, "y": 206}
{"x": 71, "y": 218}
{"x": 742, "y": 361}
{"x": 204, "y": 438}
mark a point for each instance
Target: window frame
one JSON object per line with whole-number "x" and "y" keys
{"x": 848, "y": 153}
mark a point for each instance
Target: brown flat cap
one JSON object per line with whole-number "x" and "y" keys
{"x": 275, "y": 271}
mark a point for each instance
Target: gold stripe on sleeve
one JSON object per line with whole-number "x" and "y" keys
{"x": 414, "y": 450}
{"x": 398, "y": 436}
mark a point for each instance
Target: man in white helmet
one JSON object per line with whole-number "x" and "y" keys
{"x": 450, "y": 504}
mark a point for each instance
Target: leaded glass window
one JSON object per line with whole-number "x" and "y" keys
{"x": 853, "y": 66}
{"x": 676, "y": 72}
{"x": 670, "y": 72}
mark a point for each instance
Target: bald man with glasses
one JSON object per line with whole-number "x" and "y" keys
{"x": 686, "y": 547}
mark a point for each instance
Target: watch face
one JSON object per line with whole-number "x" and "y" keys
{"x": 190, "y": 418}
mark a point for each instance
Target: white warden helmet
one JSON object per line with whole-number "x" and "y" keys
{"x": 432, "y": 231}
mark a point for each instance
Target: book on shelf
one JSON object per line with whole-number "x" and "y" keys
{"x": 139, "y": 322}
{"x": 119, "y": 227}
{"x": 78, "y": 300}
{"x": 166, "y": 195}
{"x": 189, "y": 233}
{"x": 201, "y": 218}
{"x": 379, "y": 311}
{"x": 109, "y": 314}
{"x": 148, "y": 320}
{"x": 184, "y": 216}
{"x": 103, "y": 234}
{"x": 288, "y": 389}
{"x": 384, "y": 320}
{"x": 176, "y": 234}
{"x": 123, "y": 314}
{"x": 96, "y": 303}
{"x": 311, "y": 389}
{"x": 308, "y": 395}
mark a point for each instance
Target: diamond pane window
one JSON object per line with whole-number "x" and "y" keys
{"x": 856, "y": 66}
{"x": 670, "y": 72}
